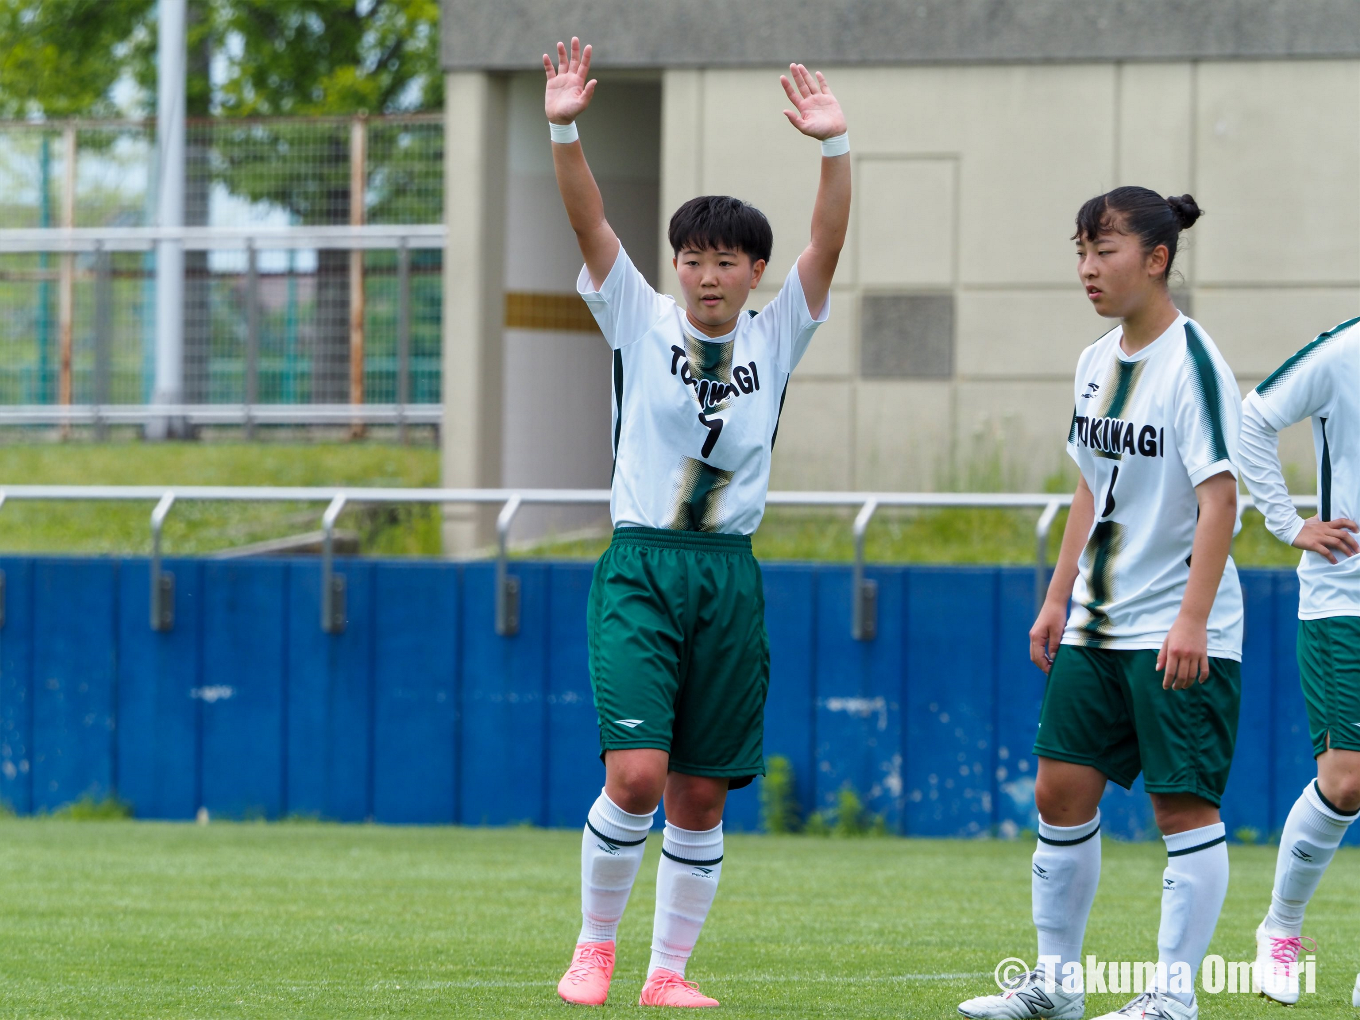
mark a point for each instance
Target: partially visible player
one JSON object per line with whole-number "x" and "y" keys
{"x": 1321, "y": 382}
{"x": 679, "y": 658}
{"x": 1144, "y": 675}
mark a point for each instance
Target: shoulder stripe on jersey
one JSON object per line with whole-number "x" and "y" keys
{"x": 1325, "y": 496}
{"x": 1211, "y": 411}
{"x": 1127, "y": 374}
{"x": 618, "y": 399}
{"x": 775, "y": 435}
{"x": 1302, "y": 356}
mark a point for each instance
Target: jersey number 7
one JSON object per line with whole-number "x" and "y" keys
{"x": 714, "y": 426}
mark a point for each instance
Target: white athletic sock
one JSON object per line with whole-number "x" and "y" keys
{"x": 686, "y": 882}
{"x": 1065, "y": 874}
{"x": 611, "y": 853}
{"x": 1312, "y": 832}
{"x": 1193, "y": 886}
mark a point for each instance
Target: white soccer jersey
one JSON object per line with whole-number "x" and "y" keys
{"x": 1322, "y": 382}
{"x": 1146, "y": 430}
{"x": 694, "y": 419}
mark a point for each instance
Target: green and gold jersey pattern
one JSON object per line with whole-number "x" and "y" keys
{"x": 1146, "y": 429}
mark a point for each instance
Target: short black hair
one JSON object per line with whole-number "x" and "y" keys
{"x": 710, "y": 222}
{"x": 1142, "y": 212}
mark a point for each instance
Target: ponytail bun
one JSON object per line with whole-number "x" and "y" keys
{"x": 1186, "y": 210}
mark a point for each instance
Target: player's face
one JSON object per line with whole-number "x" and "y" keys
{"x": 1119, "y": 277}
{"x": 716, "y": 284}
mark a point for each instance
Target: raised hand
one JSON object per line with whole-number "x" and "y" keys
{"x": 818, "y": 115}
{"x": 569, "y": 84}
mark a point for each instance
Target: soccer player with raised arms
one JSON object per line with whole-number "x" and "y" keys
{"x": 1144, "y": 673}
{"x": 679, "y": 659}
{"x": 1321, "y": 382}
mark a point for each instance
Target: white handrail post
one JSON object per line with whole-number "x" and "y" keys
{"x": 162, "y": 581}
{"x": 332, "y": 584}
{"x": 507, "y": 585}
{"x": 1041, "y": 531}
{"x": 863, "y": 594}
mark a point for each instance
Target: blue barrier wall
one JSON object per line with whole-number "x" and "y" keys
{"x": 419, "y": 713}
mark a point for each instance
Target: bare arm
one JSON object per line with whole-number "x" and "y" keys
{"x": 819, "y": 115}
{"x": 1184, "y": 654}
{"x": 568, "y": 93}
{"x": 1046, "y": 634}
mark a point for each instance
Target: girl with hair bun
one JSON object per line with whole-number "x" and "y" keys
{"x": 1144, "y": 673}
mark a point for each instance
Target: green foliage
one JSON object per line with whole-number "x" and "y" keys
{"x": 88, "y": 809}
{"x": 61, "y": 58}
{"x": 778, "y": 801}
{"x": 819, "y": 823}
{"x": 1247, "y": 835}
{"x": 853, "y": 818}
{"x": 848, "y": 818}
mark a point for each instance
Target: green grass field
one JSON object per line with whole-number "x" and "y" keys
{"x": 140, "y": 919}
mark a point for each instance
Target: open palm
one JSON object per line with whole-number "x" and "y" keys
{"x": 819, "y": 114}
{"x": 569, "y": 88}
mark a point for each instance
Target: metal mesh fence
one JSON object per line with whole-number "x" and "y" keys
{"x": 239, "y": 173}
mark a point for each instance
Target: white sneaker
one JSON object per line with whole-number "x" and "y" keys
{"x": 1275, "y": 973}
{"x": 1355, "y": 993}
{"x": 1155, "y": 1006}
{"x": 1027, "y": 1000}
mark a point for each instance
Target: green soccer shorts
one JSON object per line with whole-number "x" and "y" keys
{"x": 1329, "y": 669}
{"x": 1106, "y": 708}
{"x": 679, "y": 658}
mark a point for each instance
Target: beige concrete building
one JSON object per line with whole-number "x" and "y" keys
{"x": 977, "y": 128}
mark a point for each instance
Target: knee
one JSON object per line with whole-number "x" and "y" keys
{"x": 1343, "y": 791}
{"x": 636, "y": 789}
{"x": 1182, "y": 812}
{"x": 1057, "y": 804}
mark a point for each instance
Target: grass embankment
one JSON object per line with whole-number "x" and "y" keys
{"x": 68, "y": 527}
{"x": 895, "y": 536}
{"x": 137, "y": 919}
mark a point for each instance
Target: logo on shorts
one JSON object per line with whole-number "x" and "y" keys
{"x": 630, "y": 723}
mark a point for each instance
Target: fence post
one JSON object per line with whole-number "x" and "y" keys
{"x": 332, "y": 584}
{"x": 103, "y": 325}
{"x": 162, "y": 581}
{"x": 358, "y": 177}
{"x": 403, "y": 336}
{"x": 67, "y": 280}
{"x": 252, "y": 365}
{"x": 864, "y": 593}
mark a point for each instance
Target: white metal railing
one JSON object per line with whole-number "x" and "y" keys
{"x": 864, "y": 590}
{"x": 61, "y": 240}
{"x": 403, "y": 238}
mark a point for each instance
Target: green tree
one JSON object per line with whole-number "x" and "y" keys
{"x": 273, "y": 58}
{"x": 62, "y": 58}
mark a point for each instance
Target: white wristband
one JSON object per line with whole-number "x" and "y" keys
{"x": 564, "y": 134}
{"x": 838, "y": 145}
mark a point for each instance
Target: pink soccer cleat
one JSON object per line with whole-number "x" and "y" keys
{"x": 586, "y": 982}
{"x": 667, "y": 988}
